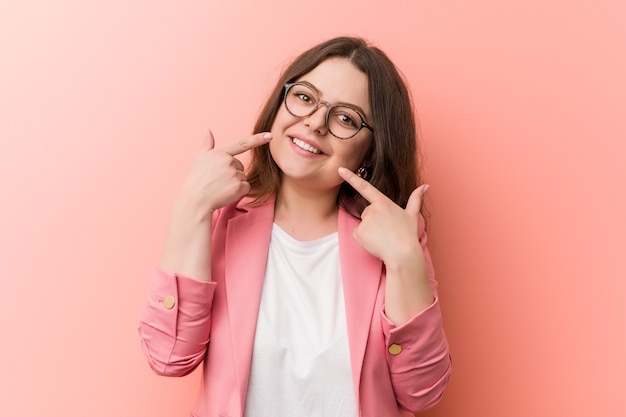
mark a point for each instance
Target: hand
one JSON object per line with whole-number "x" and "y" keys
{"x": 387, "y": 231}
{"x": 217, "y": 178}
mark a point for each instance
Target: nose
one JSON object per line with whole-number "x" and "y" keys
{"x": 317, "y": 119}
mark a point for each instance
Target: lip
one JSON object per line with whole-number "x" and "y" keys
{"x": 308, "y": 142}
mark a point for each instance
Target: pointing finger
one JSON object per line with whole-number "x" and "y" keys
{"x": 249, "y": 142}
{"x": 367, "y": 190}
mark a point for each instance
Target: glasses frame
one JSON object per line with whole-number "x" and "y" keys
{"x": 329, "y": 107}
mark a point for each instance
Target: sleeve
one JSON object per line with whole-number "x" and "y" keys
{"x": 417, "y": 352}
{"x": 176, "y": 322}
{"x": 418, "y": 358}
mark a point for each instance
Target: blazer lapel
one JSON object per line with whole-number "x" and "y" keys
{"x": 247, "y": 245}
{"x": 361, "y": 275}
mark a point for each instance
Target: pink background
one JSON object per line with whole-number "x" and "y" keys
{"x": 522, "y": 106}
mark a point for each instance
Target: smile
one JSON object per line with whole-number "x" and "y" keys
{"x": 303, "y": 145}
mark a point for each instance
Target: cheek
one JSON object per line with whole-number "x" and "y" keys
{"x": 282, "y": 120}
{"x": 357, "y": 154}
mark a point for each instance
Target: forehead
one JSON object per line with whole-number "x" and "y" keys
{"x": 339, "y": 81}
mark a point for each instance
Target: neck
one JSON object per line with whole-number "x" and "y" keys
{"x": 305, "y": 214}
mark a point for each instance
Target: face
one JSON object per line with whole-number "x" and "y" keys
{"x": 304, "y": 149}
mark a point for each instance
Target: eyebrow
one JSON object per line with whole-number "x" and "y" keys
{"x": 341, "y": 103}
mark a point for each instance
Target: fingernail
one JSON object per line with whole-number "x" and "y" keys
{"x": 426, "y": 188}
{"x": 267, "y": 136}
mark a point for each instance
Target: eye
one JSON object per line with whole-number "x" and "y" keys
{"x": 305, "y": 97}
{"x": 347, "y": 117}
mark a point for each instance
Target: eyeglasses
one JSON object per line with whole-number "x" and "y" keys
{"x": 342, "y": 120}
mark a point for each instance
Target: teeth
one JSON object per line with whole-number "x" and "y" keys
{"x": 303, "y": 145}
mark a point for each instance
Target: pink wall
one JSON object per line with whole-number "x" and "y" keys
{"x": 522, "y": 105}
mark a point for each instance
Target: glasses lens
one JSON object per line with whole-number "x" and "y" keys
{"x": 344, "y": 122}
{"x": 300, "y": 100}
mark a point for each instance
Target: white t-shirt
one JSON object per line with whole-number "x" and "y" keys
{"x": 301, "y": 358}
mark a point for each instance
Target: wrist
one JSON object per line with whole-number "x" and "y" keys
{"x": 404, "y": 258}
{"x": 191, "y": 213}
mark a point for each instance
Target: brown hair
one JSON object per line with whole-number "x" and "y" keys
{"x": 391, "y": 158}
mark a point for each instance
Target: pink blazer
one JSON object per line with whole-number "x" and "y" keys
{"x": 396, "y": 370}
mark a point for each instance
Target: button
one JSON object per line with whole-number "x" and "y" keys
{"x": 395, "y": 349}
{"x": 169, "y": 302}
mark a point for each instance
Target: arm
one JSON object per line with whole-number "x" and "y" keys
{"x": 418, "y": 358}
{"x": 176, "y": 322}
{"x": 216, "y": 179}
{"x": 416, "y": 348}
{"x": 391, "y": 233}
{"x": 419, "y": 363}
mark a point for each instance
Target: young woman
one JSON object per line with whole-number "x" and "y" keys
{"x": 304, "y": 283}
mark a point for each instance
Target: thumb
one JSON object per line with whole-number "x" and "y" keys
{"x": 414, "y": 204}
{"x": 208, "y": 141}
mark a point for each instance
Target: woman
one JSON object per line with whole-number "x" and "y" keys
{"x": 304, "y": 284}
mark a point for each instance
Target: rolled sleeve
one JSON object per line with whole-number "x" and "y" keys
{"x": 176, "y": 322}
{"x": 418, "y": 357}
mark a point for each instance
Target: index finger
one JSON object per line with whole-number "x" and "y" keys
{"x": 367, "y": 190}
{"x": 247, "y": 143}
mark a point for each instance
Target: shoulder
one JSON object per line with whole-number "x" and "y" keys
{"x": 245, "y": 206}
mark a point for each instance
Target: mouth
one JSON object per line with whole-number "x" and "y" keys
{"x": 305, "y": 146}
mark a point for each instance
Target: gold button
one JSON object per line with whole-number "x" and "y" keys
{"x": 169, "y": 302}
{"x": 395, "y": 349}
